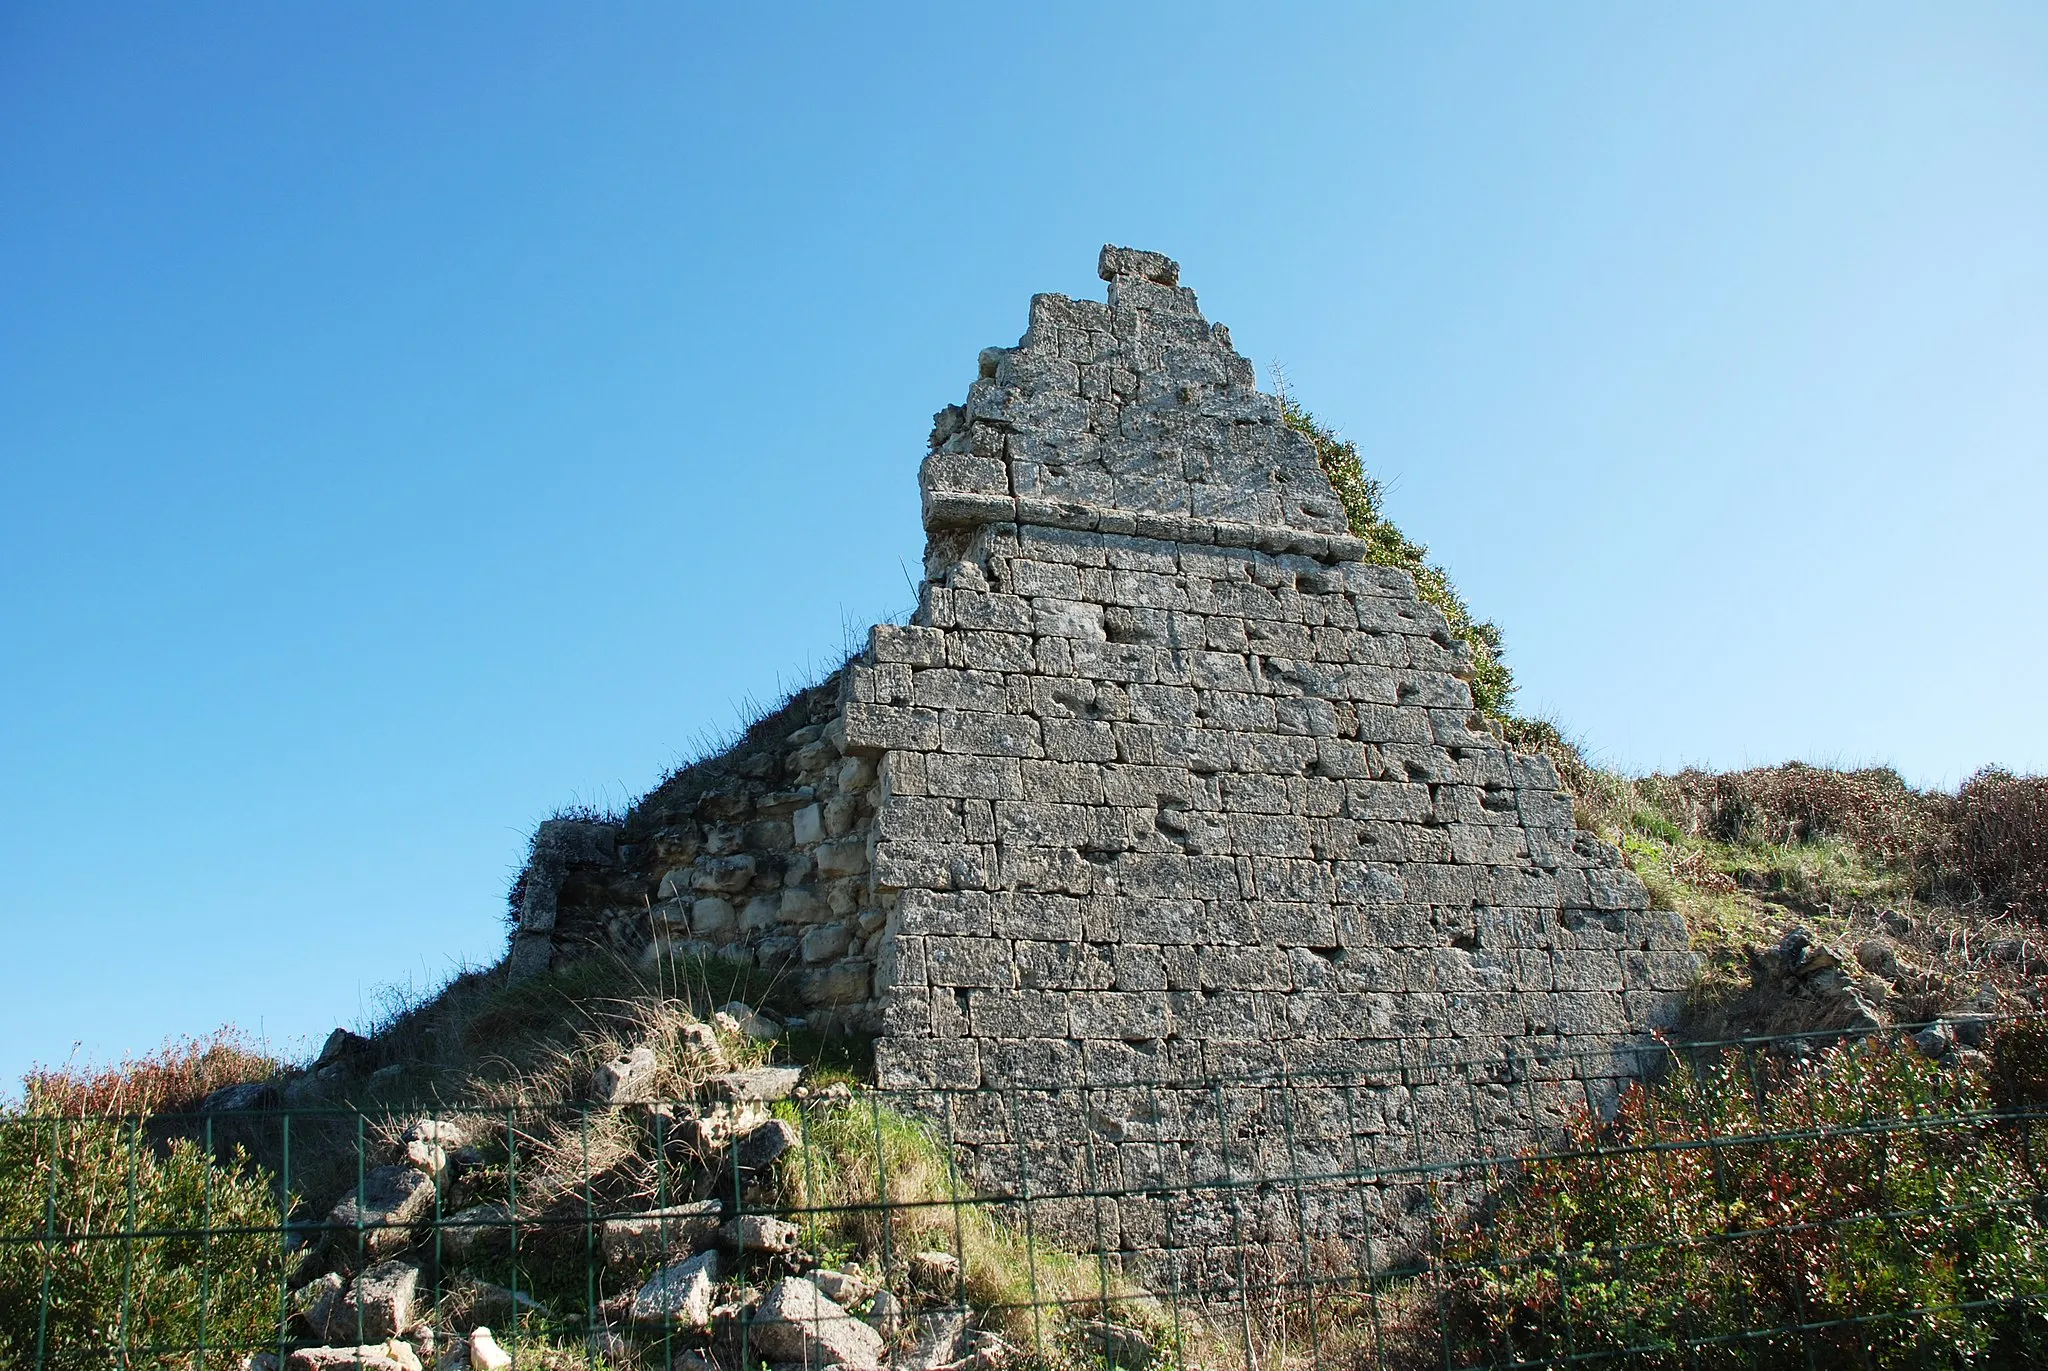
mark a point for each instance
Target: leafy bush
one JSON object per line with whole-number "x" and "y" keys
{"x": 1862, "y": 1211}
{"x": 88, "y": 1296}
{"x": 1493, "y": 685}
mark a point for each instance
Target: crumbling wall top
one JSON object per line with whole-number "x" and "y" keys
{"x": 1133, "y": 415}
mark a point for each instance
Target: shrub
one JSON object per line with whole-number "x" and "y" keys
{"x": 172, "y": 1079}
{"x": 1873, "y": 809}
{"x": 86, "y": 1295}
{"x": 1999, "y": 840}
{"x": 1859, "y": 1212}
{"x": 1493, "y": 685}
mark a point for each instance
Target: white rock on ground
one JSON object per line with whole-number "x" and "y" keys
{"x": 678, "y": 1295}
{"x": 797, "y": 1323}
{"x": 484, "y": 1352}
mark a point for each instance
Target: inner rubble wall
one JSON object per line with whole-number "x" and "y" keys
{"x": 757, "y": 855}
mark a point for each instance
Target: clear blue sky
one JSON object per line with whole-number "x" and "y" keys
{"x": 411, "y": 422}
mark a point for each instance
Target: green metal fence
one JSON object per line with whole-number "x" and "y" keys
{"x": 1800, "y": 1201}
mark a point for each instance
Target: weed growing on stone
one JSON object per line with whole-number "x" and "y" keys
{"x": 1493, "y": 684}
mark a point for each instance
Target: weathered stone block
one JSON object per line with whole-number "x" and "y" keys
{"x": 872, "y": 727}
{"x": 381, "y": 1211}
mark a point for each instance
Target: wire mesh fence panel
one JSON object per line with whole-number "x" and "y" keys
{"x": 1800, "y": 1202}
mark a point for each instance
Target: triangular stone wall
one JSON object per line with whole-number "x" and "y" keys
{"x": 1163, "y": 848}
{"x": 1176, "y": 787}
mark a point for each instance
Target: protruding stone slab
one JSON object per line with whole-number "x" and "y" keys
{"x": 378, "y": 1304}
{"x": 763, "y": 1083}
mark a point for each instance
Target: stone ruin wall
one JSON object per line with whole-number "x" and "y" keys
{"x": 1163, "y": 784}
{"x": 759, "y": 855}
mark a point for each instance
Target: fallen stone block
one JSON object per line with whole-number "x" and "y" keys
{"x": 765, "y": 1083}
{"x": 846, "y": 1288}
{"x": 341, "y": 1045}
{"x": 939, "y": 1340}
{"x": 315, "y": 1303}
{"x": 442, "y": 1134}
{"x": 884, "y": 1313}
{"x": 1115, "y": 1343}
{"x": 758, "y": 1148}
{"x": 627, "y": 1079}
{"x": 366, "y": 1357}
{"x": 474, "y": 1303}
{"x": 382, "y": 1212}
{"x": 797, "y": 1323}
{"x": 476, "y": 1231}
{"x": 659, "y": 1234}
{"x": 427, "y": 1158}
{"x": 748, "y": 1022}
{"x": 378, "y": 1304}
{"x": 231, "y": 1099}
{"x": 678, "y": 1296}
{"x": 938, "y": 1271}
{"x": 759, "y": 1233}
{"x": 699, "y": 1042}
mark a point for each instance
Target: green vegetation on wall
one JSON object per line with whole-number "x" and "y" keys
{"x": 1493, "y": 685}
